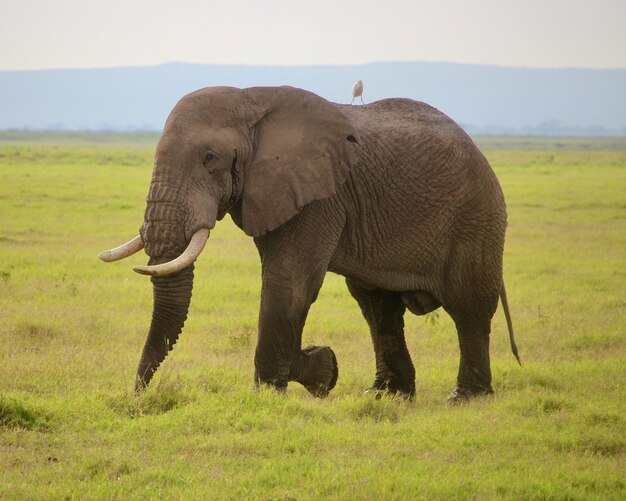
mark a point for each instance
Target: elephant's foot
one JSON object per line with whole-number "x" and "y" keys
{"x": 463, "y": 394}
{"x": 278, "y": 384}
{"x": 390, "y": 387}
{"x": 319, "y": 370}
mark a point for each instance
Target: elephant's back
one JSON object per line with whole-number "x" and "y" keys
{"x": 418, "y": 140}
{"x": 415, "y": 131}
{"x": 397, "y": 115}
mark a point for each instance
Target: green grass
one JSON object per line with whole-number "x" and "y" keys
{"x": 72, "y": 329}
{"x": 99, "y": 138}
{"x": 551, "y": 143}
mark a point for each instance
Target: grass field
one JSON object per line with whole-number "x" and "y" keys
{"x": 72, "y": 330}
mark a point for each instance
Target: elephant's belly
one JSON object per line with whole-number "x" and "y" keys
{"x": 404, "y": 280}
{"x": 403, "y": 261}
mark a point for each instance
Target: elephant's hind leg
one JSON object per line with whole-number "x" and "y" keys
{"x": 474, "y": 377}
{"x": 384, "y": 312}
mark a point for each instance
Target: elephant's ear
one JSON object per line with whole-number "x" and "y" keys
{"x": 304, "y": 147}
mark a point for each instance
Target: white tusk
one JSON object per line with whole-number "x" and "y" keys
{"x": 192, "y": 251}
{"x": 123, "y": 251}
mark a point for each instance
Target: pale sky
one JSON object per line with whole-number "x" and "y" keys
{"x": 530, "y": 33}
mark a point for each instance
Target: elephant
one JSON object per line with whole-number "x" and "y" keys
{"x": 395, "y": 197}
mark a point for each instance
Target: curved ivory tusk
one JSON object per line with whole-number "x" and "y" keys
{"x": 123, "y": 251}
{"x": 192, "y": 251}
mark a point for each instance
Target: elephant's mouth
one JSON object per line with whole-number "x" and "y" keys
{"x": 193, "y": 250}
{"x": 189, "y": 255}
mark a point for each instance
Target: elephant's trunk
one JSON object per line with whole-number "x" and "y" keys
{"x": 172, "y": 295}
{"x": 164, "y": 237}
{"x": 165, "y": 231}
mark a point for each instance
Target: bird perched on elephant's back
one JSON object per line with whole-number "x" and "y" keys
{"x": 395, "y": 197}
{"x": 357, "y": 91}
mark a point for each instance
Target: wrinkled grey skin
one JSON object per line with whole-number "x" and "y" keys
{"x": 393, "y": 196}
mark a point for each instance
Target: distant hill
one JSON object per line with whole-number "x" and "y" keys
{"x": 484, "y": 99}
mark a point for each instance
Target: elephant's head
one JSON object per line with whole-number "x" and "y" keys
{"x": 262, "y": 152}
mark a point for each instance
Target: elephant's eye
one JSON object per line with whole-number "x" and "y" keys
{"x": 208, "y": 157}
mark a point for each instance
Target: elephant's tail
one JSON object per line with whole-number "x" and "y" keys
{"x": 509, "y": 323}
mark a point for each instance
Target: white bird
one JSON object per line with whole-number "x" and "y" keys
{"x": 357, "y": 91}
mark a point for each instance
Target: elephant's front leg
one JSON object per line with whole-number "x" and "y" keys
{"x": 293, "y": 272}
{"x": 285, "y": 302}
